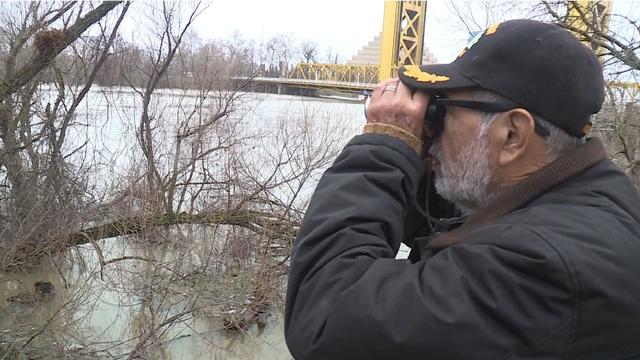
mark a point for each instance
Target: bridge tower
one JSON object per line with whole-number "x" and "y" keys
{"x": 402, "y": 36}
{"x": 589, "y": 17}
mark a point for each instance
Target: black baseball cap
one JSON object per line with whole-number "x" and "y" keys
{"x": 538, "y": 66}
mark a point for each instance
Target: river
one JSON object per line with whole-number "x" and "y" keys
{"x": 107, "y": 311}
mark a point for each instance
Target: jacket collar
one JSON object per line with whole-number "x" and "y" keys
{"x": 520, "y": 194}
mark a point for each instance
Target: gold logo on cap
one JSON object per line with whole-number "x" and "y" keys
{"x": 587, "y": 129}
{"x": 414, "y": 71}
{"x": 491, "y": 29}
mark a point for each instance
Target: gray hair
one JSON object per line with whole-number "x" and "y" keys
{"x": 558, "y": 140}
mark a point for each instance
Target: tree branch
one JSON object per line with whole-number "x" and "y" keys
{"x": 42, "y": 58}
{"x": 252, "y": 220}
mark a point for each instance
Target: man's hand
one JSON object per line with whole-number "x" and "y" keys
{"x": 395, "y": 104}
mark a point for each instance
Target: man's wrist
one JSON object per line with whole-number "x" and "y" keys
{"x": 387, "y": 129}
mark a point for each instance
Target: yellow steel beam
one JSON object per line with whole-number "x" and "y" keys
{"x": 412, "y": 36}
{"x": 623, "y": 92}
{"x": 402, "y": 35}
{"x": 390, "y": 39}
{"x": 624, "y": 85}
{"x": 353, "y": 87}
{"x": 589, "y": 16}
{"x": 365, "y": 74}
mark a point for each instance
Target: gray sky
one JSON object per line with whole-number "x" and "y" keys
{"x": 344, "y": 26}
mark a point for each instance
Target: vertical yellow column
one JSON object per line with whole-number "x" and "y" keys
{"x": 390, "y": 39}
{"x": 402, "y": 35}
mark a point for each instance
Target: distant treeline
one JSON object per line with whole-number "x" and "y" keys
{"x": 195, "y": 64}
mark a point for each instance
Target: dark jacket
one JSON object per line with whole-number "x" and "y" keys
{"x": 549, "y": 270}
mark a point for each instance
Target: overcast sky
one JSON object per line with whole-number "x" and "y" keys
{"x": 345, "y": 26}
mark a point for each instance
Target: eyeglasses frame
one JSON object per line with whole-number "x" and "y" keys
{"x": 437, "y": 110}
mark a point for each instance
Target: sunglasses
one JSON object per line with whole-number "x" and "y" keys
{"x": 434, "y": 117}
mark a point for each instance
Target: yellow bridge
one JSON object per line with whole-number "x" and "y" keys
{"x": 355, "y": 78}
{"x": 402, "y": 44}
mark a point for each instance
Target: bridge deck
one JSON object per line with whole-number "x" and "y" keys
{"x": 315, "y": 84}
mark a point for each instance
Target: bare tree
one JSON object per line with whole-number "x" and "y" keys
{"x": 330, "y": 56}
{"x": 42, "y": 189}
{"x": 473, "y": 16}
{"x": 617, "y": 34}
{"x": 616, "y": 38}
{"x": 309, "y": 50}
{"x": 281, "y": 51}
{"x": 618, "y": 124}
{"x": 197, "y": 211}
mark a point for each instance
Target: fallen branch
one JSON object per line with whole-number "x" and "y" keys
{"x": 252, "y": 220}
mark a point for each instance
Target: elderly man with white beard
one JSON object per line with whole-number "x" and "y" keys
{"x": 545, "y": 266}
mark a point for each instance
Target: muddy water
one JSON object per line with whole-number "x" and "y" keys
{"x": 105, "y": 312}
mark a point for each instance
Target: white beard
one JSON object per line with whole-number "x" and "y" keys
{"x": 466, "y": 179}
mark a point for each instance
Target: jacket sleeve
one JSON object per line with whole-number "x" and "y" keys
{"x": 348, "y": 298}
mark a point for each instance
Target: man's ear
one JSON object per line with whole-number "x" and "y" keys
{"x": 516, "y": 128}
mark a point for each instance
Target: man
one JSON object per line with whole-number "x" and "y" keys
{"x": 547, "y": 264}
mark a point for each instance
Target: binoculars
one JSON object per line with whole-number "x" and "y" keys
{"x": 437, "y": 110}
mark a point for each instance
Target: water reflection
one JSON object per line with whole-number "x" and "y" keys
{"x": 130, "y": 309}
{"x": 170, "y": 293}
